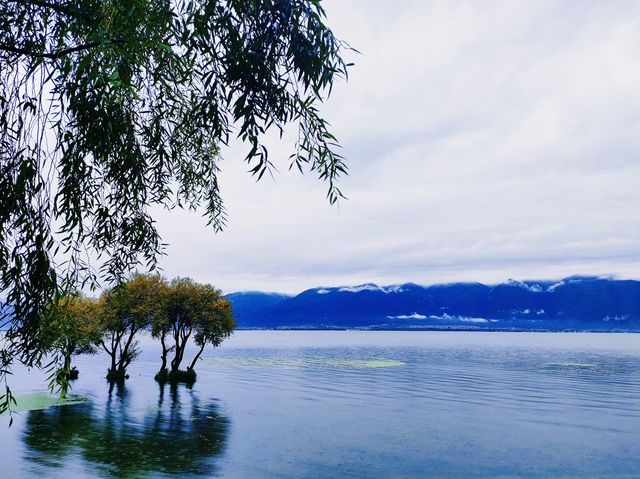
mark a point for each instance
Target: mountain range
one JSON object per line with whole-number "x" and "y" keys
{"x": 574, "y": 303}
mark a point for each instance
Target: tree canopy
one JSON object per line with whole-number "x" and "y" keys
{"x": 191, "y": 310}
{"x": 109, "y": 107}
{"x": 69, "y": 327}
{"x": 125, "y": 310}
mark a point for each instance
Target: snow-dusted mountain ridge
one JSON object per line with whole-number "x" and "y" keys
{"x": 574, "y": 303}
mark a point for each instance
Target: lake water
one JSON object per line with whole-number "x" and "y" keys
{"x": 316, "y": 404}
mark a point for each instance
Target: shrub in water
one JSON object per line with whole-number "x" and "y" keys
{"x": 173, "y": 377}
{"x": 117, "y": 374}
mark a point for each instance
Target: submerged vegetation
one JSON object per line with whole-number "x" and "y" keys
{"x": 38, "y": 401}
{"x": 178, "y": 376}
{"x": 305, "y": 362}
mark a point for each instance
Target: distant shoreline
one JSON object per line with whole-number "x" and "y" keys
{"x": 441, "y": 329}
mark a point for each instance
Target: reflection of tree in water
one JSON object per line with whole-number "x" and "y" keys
{"x": 180, "y": 436}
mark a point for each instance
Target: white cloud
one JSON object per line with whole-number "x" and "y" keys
{"x": 408, "y": 316}
{"x": 485, "y": 141}
{"x": 360, "y": 288}
{"x": 371, "y": 287}
{"x": 442, "y": 317}
{"x": 463, "y": 319}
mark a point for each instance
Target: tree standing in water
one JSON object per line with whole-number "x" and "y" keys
{"x": 213, "y": 328}
{"x": 196, "y": 310}
{"x": 69, "y": 327}
{"x": 126, "y": 310}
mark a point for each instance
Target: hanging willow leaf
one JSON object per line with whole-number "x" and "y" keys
{"x": 109, "y": 107}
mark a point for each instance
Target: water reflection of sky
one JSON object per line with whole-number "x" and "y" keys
{"x": 351, "y": 404}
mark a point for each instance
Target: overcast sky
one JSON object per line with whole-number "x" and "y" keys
{"x": 486, "y": 141}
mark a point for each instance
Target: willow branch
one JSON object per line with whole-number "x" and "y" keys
{"x": 64, "y": 9}
{"x": 57, "y": 54}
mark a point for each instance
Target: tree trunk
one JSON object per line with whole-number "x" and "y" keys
{"x": 165, "y": 352}
{"x": 125, "y": 360}
{"x": 63, "y": 374}
{"x": 193, "y": 363}
{"x": 67, "y": 372}
{"x": 181, "y": 338}
{"x": 175, "y": 362}
{"x": 111, "y": 352}
{"x": 177, "y": 359}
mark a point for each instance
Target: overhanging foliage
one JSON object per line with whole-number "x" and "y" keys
{"x": 108, "y": 107}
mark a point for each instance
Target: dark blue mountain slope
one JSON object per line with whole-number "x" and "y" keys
{"x": 574, "y": 303}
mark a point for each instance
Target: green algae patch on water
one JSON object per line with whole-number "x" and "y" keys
{"x": 365, "y": 363}
{"x": 307, "y": 362}
{"x": 571, "y": 365}
{"x": 36, "y": 401}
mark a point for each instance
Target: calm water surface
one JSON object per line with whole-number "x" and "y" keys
{"x": 349, "y": 405}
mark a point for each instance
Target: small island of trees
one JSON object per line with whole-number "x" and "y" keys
{"x": 173, "y": 312}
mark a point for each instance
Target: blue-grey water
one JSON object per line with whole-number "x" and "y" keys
{"x": 316, "y": 404}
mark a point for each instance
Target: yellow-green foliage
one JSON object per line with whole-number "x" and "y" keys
{"x": 196, "y": 311}
{"x": 138, "y": 302}
{"x": 70, "y": 325}
{"x": 125, "y": 310}
{"x": 70, "y": 322}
